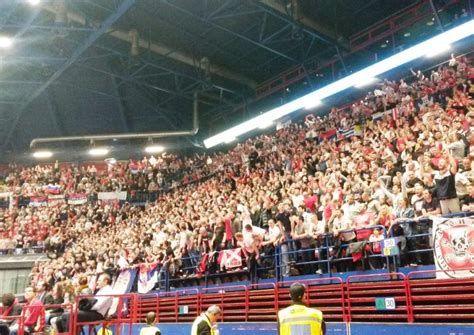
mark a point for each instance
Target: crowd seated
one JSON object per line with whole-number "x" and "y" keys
{"x": 402, "y": 153}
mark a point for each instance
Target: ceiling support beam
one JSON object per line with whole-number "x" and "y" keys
{"x": 163, "y": 50}
{"x": 229, "y": 31}
{"x": 124, "y": 6}
{"x": 276, "y": 8}
{"x": 435, "y": 14}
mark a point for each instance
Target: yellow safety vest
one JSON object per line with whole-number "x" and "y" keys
{"x": 300, "y": 320}
{"x": 198, "y": 320}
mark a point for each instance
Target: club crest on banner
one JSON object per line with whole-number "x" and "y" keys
{"x": 453, "y": 244}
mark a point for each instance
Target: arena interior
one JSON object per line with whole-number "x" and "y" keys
{"x": 180, "y": 164}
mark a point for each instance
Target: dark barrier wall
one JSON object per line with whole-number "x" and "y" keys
{"x": 333, "y": 329}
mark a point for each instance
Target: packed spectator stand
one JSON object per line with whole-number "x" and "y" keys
{"x": 315, "y": 197}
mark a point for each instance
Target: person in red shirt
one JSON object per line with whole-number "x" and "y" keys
{"x": 310, "y": 202}
{"x": 33, "y": 314}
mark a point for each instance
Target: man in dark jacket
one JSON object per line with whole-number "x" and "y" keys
{"x": 11, "y": 309}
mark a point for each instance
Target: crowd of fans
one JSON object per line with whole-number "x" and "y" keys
{"x": 151, "y": 174}
{"x": 404, "y": 152}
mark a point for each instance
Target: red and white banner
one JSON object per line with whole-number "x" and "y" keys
{"x": 56, "y": 200}
{"x": 231, "y": 258}
{"x": 453, "y": 245}
{"x": 77, "y": 199}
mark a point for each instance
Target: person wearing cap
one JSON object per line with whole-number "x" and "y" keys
{"x": 298, "y": 319}
{"x": 150, "y": 328}
{"x": 206, "y": 323}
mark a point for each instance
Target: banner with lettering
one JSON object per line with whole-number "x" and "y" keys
{"x": 56, "y": 200}
{"x": 453, "y": 245}
{"x": 111, "y": 196}
{"x": 77, "y": 198}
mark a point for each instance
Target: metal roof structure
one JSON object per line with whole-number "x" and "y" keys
{"x": 82, "y": 67}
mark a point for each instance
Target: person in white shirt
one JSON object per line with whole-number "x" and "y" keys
{"x": 99, "y": 309}
{"x": 252, "y": 238}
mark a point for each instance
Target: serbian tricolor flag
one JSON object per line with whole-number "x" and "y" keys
{"x": 38, "y": 201}
{"x": 134, "y": 168}
{"x": 331, "y": 133}
{"x": 147, "y": 277}
{"x": 53, "y": 189}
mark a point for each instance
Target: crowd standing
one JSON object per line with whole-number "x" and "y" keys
{"x": 404, "y": 152}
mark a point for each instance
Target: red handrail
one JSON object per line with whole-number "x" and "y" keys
{"x": 139, "y": 306}
{"x": 309, "y": 282}
{"x": 409, "y": 279}
{"x": 376, "y": 275}
{"x": 186, "y": 292}
{"x": 119, "y": 320}
{"x": 21, "y": 319}
{"x": 275, "y": 296}
{"x": 221, "y": 291}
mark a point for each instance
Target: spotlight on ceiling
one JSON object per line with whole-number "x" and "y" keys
{"x": 42, "y": 154}
{"x": 34, "y": 2}
{"x": 98, "y": 151}
{"x": 5, "y": 42}
{"x": 153, "y": 149}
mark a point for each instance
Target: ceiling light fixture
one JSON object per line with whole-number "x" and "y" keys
{"x": 5, "y": 42}
{"x": 458, "y": 33}
{"x": 98, "y": 151}
{"x": 42, "y": 154}
{"x": 153, "y": 149}
{"x": 34, "y": 2}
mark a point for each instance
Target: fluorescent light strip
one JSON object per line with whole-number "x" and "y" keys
{"x": 408, "y": 55}
{"x": 366, "y": 82}
{"x": 42, "y": 154}
{"x": 98, "y": 151}
{"x": 439, "y": 50}
{"x": 153, "y": 149}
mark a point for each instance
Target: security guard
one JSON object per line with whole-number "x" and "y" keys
{"x": 298, "y": 319}
{"x": 205, "y": 324}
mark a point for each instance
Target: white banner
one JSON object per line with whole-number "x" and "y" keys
{"x": 56, "y": 200}
{"x": 112, "y": 195}
{"x": 77, "y": 199}
{"x": 453, "y": 244}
